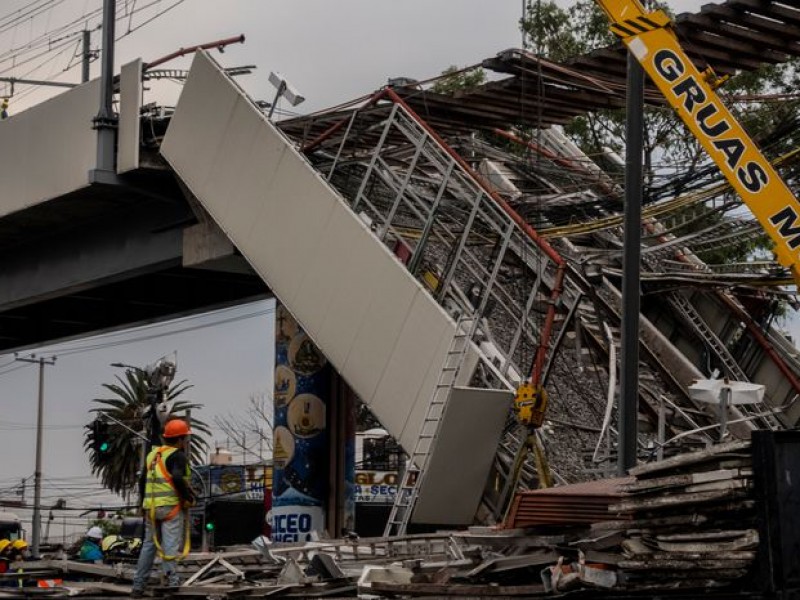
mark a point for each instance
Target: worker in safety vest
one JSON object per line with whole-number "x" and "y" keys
{"x": 90, "y": 549}
{"x": 18, "y": 553}
{"x": 166, "y": 496}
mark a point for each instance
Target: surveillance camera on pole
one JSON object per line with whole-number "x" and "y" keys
{"x": 285, "y": 90}
{"x": 162, "y": 372}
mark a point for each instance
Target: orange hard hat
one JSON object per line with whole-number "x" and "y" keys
{"x": 176, "y": 428}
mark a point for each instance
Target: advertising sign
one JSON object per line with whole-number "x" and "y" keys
{"x": 300, "y": 439}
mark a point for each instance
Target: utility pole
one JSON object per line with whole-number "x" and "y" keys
{"x": 629, "y": 363}
{"x": 86, "y": 55}
{"x": 37, "y": 474}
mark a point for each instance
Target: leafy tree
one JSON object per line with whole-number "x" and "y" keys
{"x": 455, "y": 80}
{"x": 674, "y": 159}
{"x": 118, "y": 468}
{"x": 559, "y": 34}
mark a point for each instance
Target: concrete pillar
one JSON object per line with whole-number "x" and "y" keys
{"x": 342, "y": 443}
{"x": 301, "y": 465}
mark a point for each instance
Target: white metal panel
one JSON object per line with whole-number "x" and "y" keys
{"x": 468, "y": 436}
{"x": 48, "y": 149}
{"x": 384, "y": 319}
{"x": 321, "y": 278}
{"x": 230, "y": 173}
{"x": 417, "y": 348}
{"x": 130, "y": 107}
{"x": 362, "y": 268}
{"x": 324, "y": 275}
{"x": 202, "y": 97}
{"x": 248, "y": 197}
{"x": 293, "y": 217}
{"x": 375, "y": 324}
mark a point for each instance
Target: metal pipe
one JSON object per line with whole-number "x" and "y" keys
{"x": 631, "y": 301}
{"x": 239, "y": 39}
{"x": 15, "y": 80}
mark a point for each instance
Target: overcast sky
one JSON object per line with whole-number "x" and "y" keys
{"x": 331, "y": 51}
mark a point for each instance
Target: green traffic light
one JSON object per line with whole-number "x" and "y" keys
{"x": 104, "y": 447}
{"x": 209, "y": 527}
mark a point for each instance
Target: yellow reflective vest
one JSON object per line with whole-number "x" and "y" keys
{"x": 159, "y": 490}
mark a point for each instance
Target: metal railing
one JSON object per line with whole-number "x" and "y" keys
{"x": 452, "y": 232}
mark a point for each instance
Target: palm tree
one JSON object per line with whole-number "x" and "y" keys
{"x": 119, "y": 466}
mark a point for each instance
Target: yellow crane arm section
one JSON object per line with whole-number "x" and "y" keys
{"x": 651, "y": 39}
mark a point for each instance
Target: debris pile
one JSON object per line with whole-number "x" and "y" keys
{"x": 693, "y": 521}
{"x": 686, "y": 523}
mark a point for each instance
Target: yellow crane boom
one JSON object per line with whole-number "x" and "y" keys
{"x": 651, "y": 39}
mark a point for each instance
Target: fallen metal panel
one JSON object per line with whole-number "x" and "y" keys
{"x": 318, "y": 257}
{"x": 48, "y": 149}
{"x": 469, "y": 432}
{"x": 130, "y": 105}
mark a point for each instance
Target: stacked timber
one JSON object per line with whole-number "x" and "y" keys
{"x": 692, "y": 520}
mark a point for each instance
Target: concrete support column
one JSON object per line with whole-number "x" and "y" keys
{"x": 342, "y": 437}
{"x": 301, "y": 465}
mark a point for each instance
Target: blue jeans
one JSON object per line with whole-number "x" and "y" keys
{"x": 171, "y": 540}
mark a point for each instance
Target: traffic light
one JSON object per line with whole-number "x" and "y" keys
{"x": 101, "y": 437}
{"x": 210, "y": 526}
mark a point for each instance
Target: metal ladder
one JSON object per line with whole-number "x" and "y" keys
{"x": 684, "y": 307}
{"x": 408, "y": 491}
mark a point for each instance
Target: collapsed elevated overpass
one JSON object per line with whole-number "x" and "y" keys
{"x": 379, "y": 238}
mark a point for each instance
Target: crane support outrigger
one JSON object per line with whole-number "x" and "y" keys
{"x": 650, "y": 37}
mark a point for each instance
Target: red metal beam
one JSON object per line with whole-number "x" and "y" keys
{"x": 239, "y": 39}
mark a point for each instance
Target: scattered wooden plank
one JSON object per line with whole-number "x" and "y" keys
{"x": 690, "y": 556}
{"x": 673, "y": 481}
{"x": 508, "y": 563}
{"x": 738, "y": 448}
{"x": 710, "y": 536}
{"x": 731, "y": 484}
{"x": 97, "y": 586}
{"x": 690, "y": 520}
{"x": 455, "y": 589}
{"x": 658, "y": 502}
{"x": 706, "y": 564}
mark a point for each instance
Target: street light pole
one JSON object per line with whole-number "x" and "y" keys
{"x": 37, "y": 474}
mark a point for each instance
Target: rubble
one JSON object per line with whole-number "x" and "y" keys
{"x": 685, "y": 523}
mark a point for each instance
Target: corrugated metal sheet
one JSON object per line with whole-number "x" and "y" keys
{"x": 576, "y": 504}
